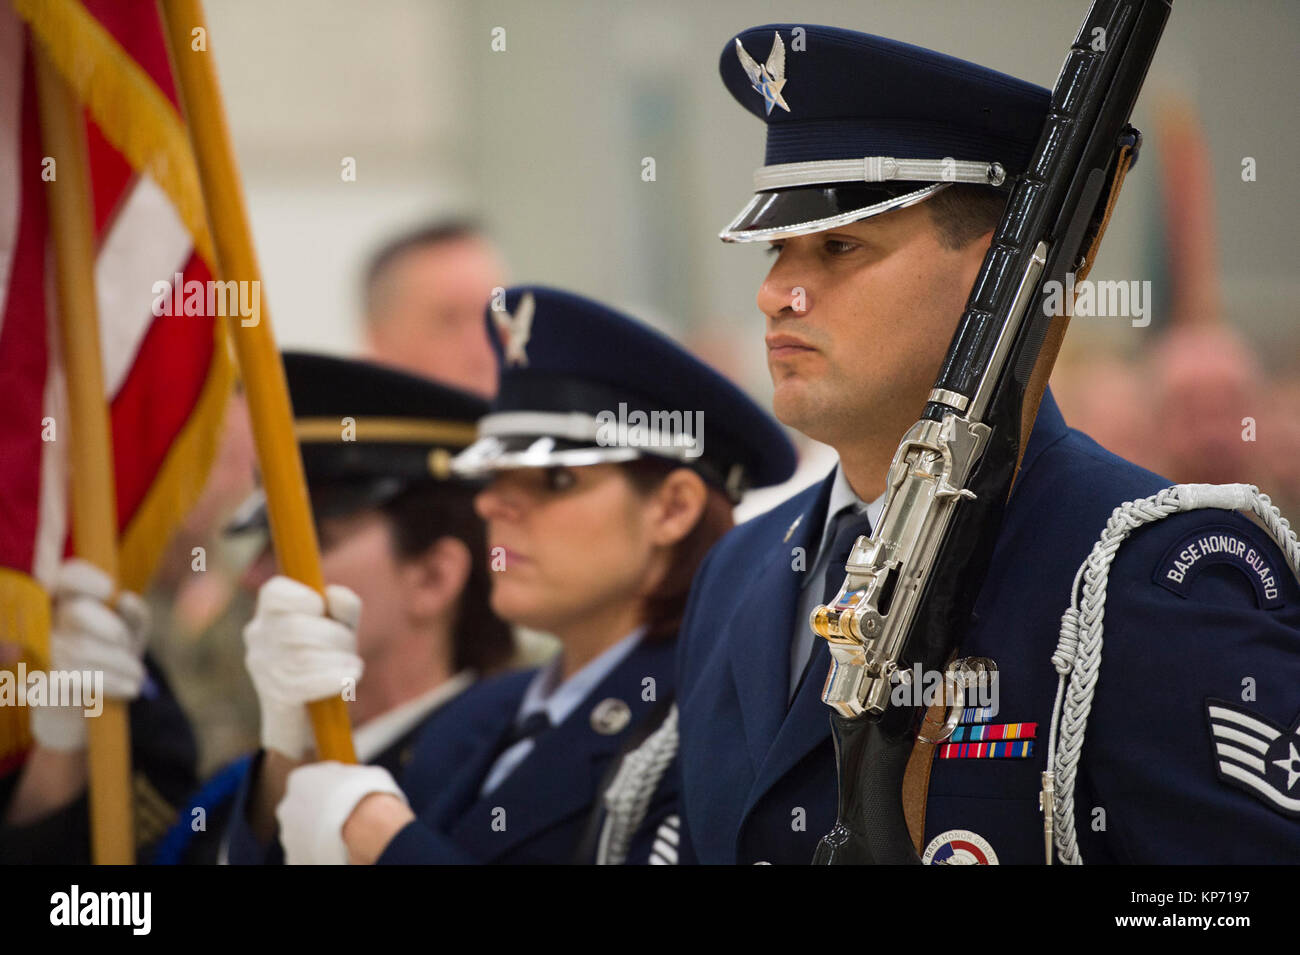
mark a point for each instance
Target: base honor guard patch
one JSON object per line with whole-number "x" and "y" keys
{"x": 959, "y": 847}
{"x": 1257, "y": 756}
{"x": 1219, "y": 544}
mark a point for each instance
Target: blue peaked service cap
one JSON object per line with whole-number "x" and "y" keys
{"x": 858, "y": 125}
{"x": 584, "y": 384}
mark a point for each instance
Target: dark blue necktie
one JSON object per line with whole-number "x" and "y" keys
{"x": 534, "y": 724}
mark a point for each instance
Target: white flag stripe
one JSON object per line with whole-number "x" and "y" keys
{"x": 1227, "y": 732}
{"x": 1252, "y": 724}
{"x": 11, "y": 87}
{"x": 52, "y": 507}
{"x": 145, "y": 244}
{"x": 1240, "y": 755}
{"x": 1263, "y": 788}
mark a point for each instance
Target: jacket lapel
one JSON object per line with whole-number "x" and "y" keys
{"x": 806, "y": 726}
{"x": 558, "y": 779}
{"x": 481, "y": 742}
{"x": 758, "y": 634}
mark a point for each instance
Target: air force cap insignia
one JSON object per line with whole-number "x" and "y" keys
{"x": 1257, "y": 756}
{"x": 516, "y": 329}
{"x": 769, "y": 78}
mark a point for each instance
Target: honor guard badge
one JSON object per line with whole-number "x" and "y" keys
{"x": 959, "y": 847}
{"x": 1257, "y": 756}
{"x": 610, "y": 716}
{"x": 768, "y": 78}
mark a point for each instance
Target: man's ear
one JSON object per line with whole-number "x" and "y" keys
{"x": 432, "y": 582}
{"x": 679, "y": 502}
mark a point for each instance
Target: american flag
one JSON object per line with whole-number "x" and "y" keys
{"x": 167, "y": 377}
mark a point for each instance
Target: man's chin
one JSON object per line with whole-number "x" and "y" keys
{"x": 794, "y": 405}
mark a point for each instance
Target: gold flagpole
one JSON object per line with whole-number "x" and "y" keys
{"x": 94, "y": 497}
{"x": 292, "y": 532}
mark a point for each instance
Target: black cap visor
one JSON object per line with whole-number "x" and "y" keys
{"x": 802, "y": 210}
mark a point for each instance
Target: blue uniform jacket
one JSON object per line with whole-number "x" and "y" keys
{"x": 540, "y": 812}
{"x": 758, "y": 781}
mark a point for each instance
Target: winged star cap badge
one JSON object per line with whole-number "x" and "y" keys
{"x": 516, "y": 328}
{"x": 769, "y": 78}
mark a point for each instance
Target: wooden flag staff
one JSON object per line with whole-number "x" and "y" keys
{"x": 292, "y": 532}
{"x": 94, "y": 496}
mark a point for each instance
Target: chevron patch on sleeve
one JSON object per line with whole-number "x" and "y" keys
{"x": 664, "y": 850}
{"x": 1256, "y": 755}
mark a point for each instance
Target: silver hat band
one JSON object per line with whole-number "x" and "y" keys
{"x": 568, "y": 425}
{"x": 877, "y": 169}
{"x": 663, "y": 435}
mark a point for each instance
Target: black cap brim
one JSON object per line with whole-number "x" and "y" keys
{"x": 802, "y": 210}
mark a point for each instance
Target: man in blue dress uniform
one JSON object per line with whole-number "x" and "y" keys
{"x": 887, "y": 169}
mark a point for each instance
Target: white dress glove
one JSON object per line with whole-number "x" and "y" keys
{"x": 296, "y": 654}
{"x": 89, "y": 634}
{"x": 317, "y": 802}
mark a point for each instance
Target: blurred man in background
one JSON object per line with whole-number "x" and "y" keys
{"x": 424, "y": 294}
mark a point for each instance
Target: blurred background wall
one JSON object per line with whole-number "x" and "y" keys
{"x": 545, "y": 141}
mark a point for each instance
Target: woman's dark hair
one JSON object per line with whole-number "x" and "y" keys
{"x": 419, "y": 516}
{"x": 666, "y": 606}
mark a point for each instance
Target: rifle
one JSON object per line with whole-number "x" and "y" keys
{"x": 910, "y": 586}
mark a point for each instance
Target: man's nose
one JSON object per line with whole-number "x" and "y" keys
{"x": 782, "y": 293}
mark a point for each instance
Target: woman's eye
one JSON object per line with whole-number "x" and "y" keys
{"x": 838, "y": 246}
{"x": 560, "y": 479}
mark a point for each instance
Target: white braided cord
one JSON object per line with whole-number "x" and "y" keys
{"x": 627, "y": 800}
{"x": 1077, "y": 658}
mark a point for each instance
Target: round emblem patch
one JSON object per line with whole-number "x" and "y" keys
{"x": 610, "y": 716}
{"x": 959, "y": 847}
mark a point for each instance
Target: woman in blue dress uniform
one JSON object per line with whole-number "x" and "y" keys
{"x": 612, "y": 459}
